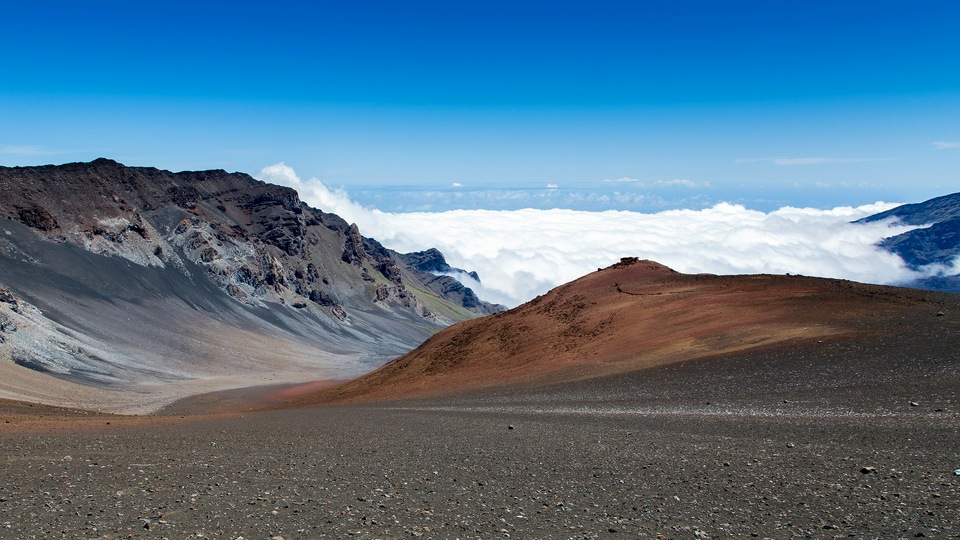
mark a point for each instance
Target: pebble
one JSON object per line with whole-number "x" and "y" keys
{"x": 357, "y": 473}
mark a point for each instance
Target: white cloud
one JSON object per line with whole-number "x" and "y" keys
{"x": 552, "y": 186}
{"x": 24, "y": 150}
{"x": 521, "y": 253}
{"x": 941, "y": 269}
{"x": 456, "y": 184}
{"x": 804, "y": 161}
{"x": 318, "y": 195}
{"x": 675, "y": 182}
{"x": 681, "y": 182}
{"x": 792, "y": 161}
{"x": 945, "y": 145}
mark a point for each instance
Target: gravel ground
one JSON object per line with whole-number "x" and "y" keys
{"x": 847, "y": 438}
{"x": 435, "y": 470}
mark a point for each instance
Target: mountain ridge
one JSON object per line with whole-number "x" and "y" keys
{"x": 133, "y": 277}
{"x": 933, "y": 247}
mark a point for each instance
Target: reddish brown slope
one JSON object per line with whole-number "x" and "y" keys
{"x": 630, "y": 316}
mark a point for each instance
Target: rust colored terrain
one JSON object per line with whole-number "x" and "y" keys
{"x": 634, "y": 315}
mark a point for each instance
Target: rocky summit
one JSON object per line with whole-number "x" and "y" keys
{"x": 126, "y": 287}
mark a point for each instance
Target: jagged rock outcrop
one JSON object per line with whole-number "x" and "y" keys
{"x": 225, "y": 245}
{"x": 259, "y": 242}
{"x": 444, "y": 283}
{"x": 8, "y": 301}
{"x": 433, "y": 261}
{"x": 38, "y": 218}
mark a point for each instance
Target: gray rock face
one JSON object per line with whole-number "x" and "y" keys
{"x": 433, "y": 262}
{"x": 259, "y": 242}
{"x": 224, "y": 245}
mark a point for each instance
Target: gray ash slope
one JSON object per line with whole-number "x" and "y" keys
{"x": 936, "y": 243}
{"x": 135, "y": 278}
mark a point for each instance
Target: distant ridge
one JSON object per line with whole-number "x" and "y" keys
{"x": 934, "y": 210}
{"x": 939, "y": 243}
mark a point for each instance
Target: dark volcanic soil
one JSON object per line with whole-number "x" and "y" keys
{"x": 738, "y": 446}
{"x": 434, "y": 471}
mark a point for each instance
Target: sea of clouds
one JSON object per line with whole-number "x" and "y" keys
{"x": 522, "y": 253}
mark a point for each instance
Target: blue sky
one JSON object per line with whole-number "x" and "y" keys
{"x": 429, "y": 106}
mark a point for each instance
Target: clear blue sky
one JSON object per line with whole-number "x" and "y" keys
{"x": 684, "y": 102}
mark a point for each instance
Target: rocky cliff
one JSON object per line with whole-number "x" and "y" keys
{"x": 433, "y": 262}
{"x": 121, "y": 258}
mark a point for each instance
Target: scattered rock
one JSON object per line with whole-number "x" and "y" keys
{"x": 37, "y": 217}
{"x": 868, "y": 470}
{"x": 914, "y": 404}
{"x": 7, "y": 297}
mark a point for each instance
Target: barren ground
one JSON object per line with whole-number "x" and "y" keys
{"x": 849, "y": 432}
{"x": 733, "y": 447}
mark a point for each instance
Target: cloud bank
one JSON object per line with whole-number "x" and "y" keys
{"x": 522, "y": 253}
